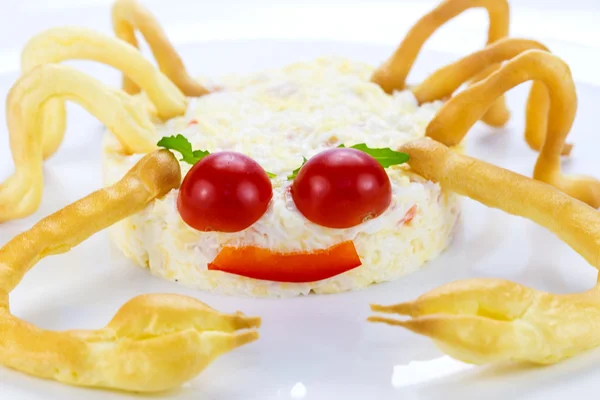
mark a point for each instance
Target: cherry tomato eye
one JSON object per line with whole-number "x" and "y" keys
{"x": 225, "y": 192}
{"x": 341, "y": 188}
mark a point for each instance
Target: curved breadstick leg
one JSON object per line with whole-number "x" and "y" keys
{"x": 53, "y": 124}
{"x": 67, "y": 43}
{"x": 536, "y": 120}
{"x": 573, "y": 221}
{"x": 21, "y": 194}
{"x": 446, "y": 80}
{"x": 498, "y": 114}
{"x": 393, "y": 73}
{"x": 489, "y": 320}
{"x": 129, "y": 15}
{"x": 460, "y": 113}
{"x": 154, "y": 342}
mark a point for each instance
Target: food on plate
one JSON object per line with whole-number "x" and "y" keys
{"x": 322, "y": 176}
{"x": 491, "y": 320}
{"x": 154, "y": 342}
{"x": 278, "y": 118}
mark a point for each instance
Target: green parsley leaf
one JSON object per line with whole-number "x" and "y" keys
{"x": 385, "y": 156}
{"x": 200, "y": 154}
{"x": 295, "y": 172}
{"x": 183, "y": 146}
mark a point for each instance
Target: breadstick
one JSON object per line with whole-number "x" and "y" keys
{"x": 446, "y": 80}
{"x": 393, "y": 73}
{"x": 20, "y": 194}
{"x": 154, "y": 342}
{"x": 129, "y": 15}
{"x": 498, "y": 114}
{"x": 68, "y": 43}
{"x": 460, "y": 113}
{"x": 573, "y": 221}
{"x": 482, "y": 321}
{"x": 491, "y": 320}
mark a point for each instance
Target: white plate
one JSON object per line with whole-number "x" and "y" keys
{"x": 315, "y": 347}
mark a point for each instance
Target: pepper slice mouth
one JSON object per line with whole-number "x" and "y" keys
{"x": 291, "y": 267}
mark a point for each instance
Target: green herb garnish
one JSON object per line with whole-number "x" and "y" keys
{"x": 385, "y": 156}
{"x": 183, "y": 146}
{"x": 295, "y": 172}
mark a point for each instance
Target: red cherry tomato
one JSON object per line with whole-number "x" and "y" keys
{"x": 341, "y": 188}
{"x": 225, "y": 192}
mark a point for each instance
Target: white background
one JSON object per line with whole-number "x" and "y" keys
{"x": 570, "y": 28}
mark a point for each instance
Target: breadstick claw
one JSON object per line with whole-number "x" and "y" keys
{"x": 496, "y": 340}
{"x": 490, "y": 297}
{"x": 153, "y": 314}
{"x": 154, "y": 342}
{"x": 490, "y": 320}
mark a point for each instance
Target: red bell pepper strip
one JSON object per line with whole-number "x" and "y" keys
{"x": 259, "y": 263}
{"x": 410, "y": 214}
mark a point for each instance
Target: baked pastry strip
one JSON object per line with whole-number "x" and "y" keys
{"x": 129, "y": 16}
{"x": 21, "y": 193}
{"x": 154, "y": 342}
{"x": 491, "y": 320}
{"x": 393, "y": 73}
{"x": 459, "y": 114}
{"x": 446, "y": 80}
{"x": 71, "y": 43}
